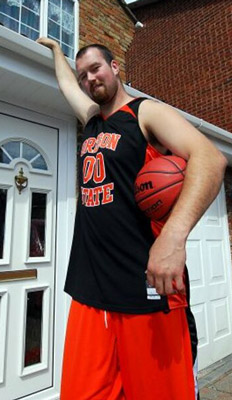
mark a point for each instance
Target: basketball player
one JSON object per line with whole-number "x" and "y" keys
{"x": 130, "y": 334}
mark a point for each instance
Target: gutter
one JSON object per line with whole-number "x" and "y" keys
{"x": 132, "y": 16}
{"x": 141, "y": 3}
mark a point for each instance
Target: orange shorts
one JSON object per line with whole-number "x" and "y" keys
{"x": 116, "y": 356}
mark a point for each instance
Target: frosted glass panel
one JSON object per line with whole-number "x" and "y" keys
{"x": 4, "y": 158}
{"x": 39, "y": 163}
{"x": 29, "y": 152}
{"x": 12, "y": 148}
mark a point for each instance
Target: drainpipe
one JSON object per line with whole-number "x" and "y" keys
{"x": 132, "y": 16}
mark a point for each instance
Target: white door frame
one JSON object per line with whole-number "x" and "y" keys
{"x": 66, "y": 206}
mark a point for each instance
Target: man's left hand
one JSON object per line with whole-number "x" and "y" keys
{"x": 166, "y": 264}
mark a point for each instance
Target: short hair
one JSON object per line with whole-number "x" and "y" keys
{"x": 107, "y": 54}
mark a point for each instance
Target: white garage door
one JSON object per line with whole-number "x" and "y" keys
{"x": 209, "y": 264}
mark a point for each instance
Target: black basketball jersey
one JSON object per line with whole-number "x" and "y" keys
{"x": 112, "y": 237}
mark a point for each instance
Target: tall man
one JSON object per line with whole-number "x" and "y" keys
{"x": 121, "y": 343}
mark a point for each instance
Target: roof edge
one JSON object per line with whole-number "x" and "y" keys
{"x": 140, "y": 3}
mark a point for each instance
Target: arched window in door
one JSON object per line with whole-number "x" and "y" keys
{"x": 19, "y": 149}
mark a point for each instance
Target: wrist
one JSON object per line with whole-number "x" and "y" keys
{"x": 175, "y": 231}
{"x": 56, "y": 47}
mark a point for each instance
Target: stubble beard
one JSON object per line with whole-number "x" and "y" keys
{"x": 102, "y": 95}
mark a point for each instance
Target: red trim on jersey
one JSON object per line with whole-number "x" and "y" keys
{"x": 123, "y": 108}
{"x": 128, "y": 110}
{"x": 151, "y": 153}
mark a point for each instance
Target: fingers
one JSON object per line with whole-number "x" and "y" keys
{"x": 150, "y": 278}
{"x": 50, "y": 43}
{"x": 179, "y": 283}
{"x": 166, "y": 285}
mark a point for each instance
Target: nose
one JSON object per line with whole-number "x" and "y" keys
{"x": 90, "y": 76}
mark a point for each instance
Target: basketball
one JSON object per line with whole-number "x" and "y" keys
{"x": 158, "y": 185}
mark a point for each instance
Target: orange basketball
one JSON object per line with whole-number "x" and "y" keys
{"x": 158, "y": 185}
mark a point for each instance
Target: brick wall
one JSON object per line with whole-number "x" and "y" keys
{"x": 105, "y": 22}
{"x": 183, "y": 56}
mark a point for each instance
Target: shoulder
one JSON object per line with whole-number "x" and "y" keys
{"x": 150, "y": 114}
{"x": 154, "y": 107}
{"x": 155, "y": 116}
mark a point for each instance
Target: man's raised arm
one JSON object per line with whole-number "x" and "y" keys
{"x": 83, "y": 107}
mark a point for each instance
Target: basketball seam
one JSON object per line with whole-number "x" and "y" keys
{"x": 173, "y": 162}
{"x": 162, "y": 172}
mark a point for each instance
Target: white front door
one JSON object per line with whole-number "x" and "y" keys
{"x": 209, "y": 264}
{"x": 28, "y": 185}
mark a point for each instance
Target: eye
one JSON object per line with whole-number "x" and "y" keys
{"x": 82, "y": 77}
{"x": 95, "y": 68}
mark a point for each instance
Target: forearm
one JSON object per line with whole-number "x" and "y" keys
{"x": 65, "y": 76}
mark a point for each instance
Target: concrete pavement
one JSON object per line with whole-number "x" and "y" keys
{"x": 215, "y": 382}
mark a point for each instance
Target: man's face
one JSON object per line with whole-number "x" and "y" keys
{"x": 97, "y": 78}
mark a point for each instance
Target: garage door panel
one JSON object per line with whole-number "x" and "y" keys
{"x": 221, "y": 318}
{"x": 221, "y": 347}
{"x": 196, "y": 233}
{"x": 197, "y": 296}
{"x": 212, "y": 218}
{"x": 195, "y": 262}
{"x": 217, "y": 291}
{"x": 212, "y": 233}
{"x": 200, "y": 314}
{"x": 216, "y": 261}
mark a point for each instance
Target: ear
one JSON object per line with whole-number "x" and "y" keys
{"x": 115, "y": 67}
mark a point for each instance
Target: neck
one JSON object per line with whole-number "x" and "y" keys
{"x": 118, "y": 100}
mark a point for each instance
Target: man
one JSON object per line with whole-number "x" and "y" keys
{"x": 122, "y": 343}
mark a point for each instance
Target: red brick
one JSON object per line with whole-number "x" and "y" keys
{"x": 183, "y": 56}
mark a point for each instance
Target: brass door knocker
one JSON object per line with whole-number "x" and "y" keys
{"x": 21, "y": 181}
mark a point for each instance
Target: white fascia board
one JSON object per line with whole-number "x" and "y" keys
{"x": 221, "y": 137}
{"x": 27, "y": 48}
{"x": 32, "y": 65}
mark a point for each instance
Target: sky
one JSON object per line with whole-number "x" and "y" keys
{"x": 130, "y": 1}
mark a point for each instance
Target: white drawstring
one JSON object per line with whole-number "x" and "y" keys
{"x": 105, "y": 318}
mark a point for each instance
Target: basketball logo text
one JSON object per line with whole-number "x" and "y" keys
{"x": 154, "y": 207}
{"x": 143, "y": 186}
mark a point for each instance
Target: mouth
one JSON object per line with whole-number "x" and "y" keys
{"x": 98, "y": 92}
{"x": 96, "y": 87}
